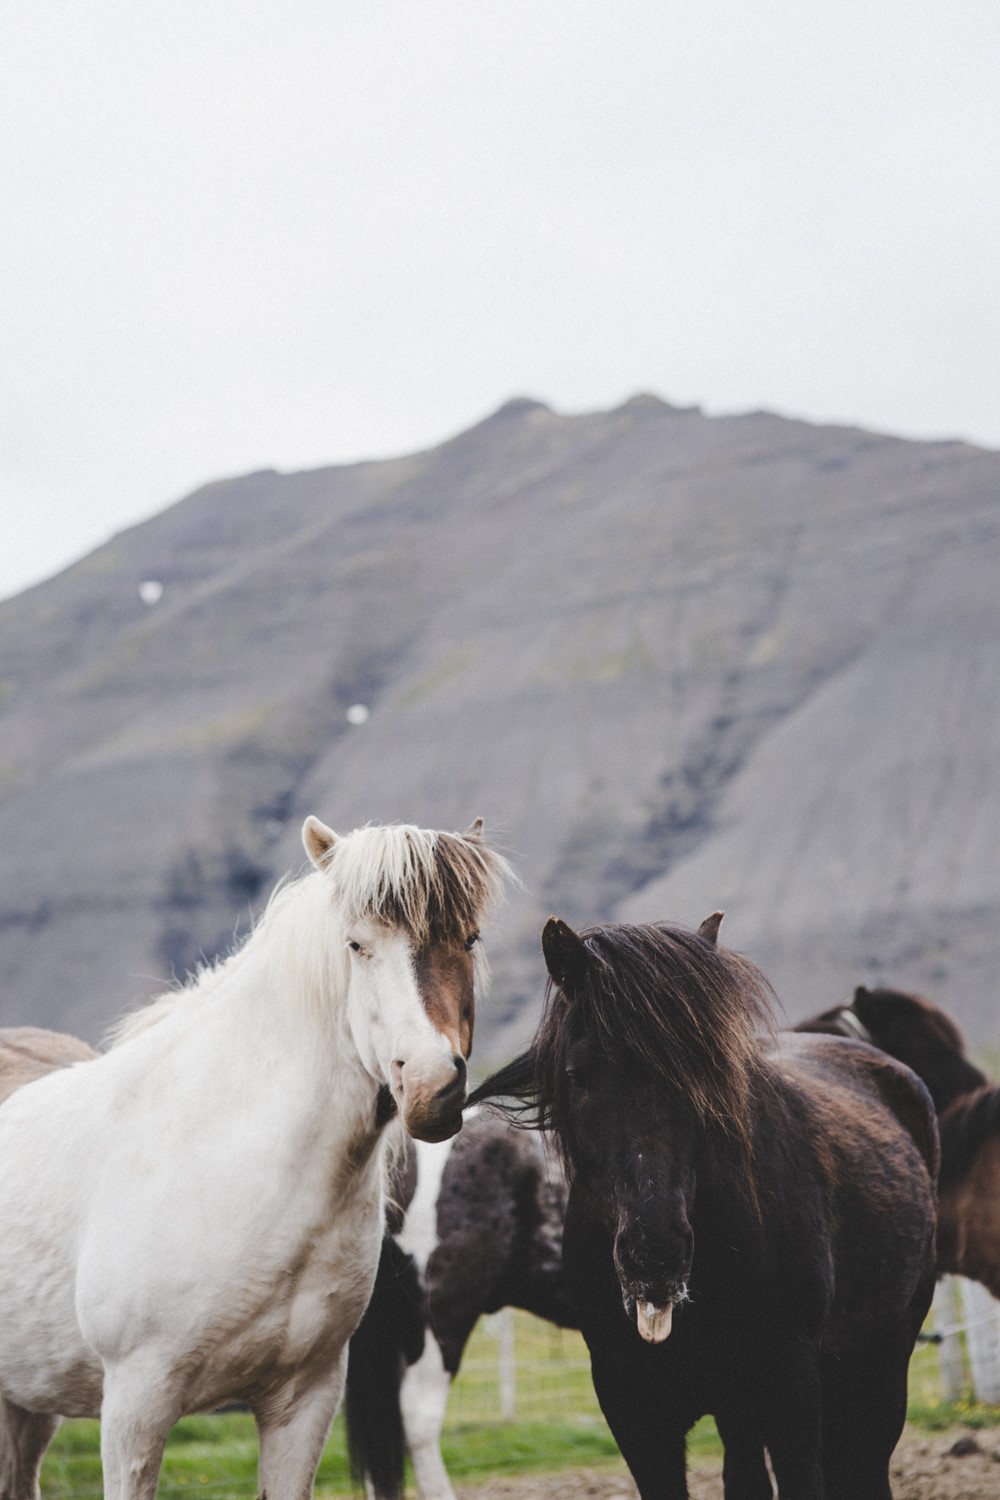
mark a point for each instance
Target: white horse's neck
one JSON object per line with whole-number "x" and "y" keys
{"x": 277, "y": 1006}
{"x": 299, "y": 950}
{"x": 292, "y": 964}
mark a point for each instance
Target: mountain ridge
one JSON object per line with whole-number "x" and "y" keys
{"x": 616, "y": 635}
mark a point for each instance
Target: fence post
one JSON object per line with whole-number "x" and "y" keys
{"x": 507, "y": 1364}
{"x": 982, "y": 1332}
{"x": 950, "y": 1348}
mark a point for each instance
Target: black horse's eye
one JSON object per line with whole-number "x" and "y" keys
{"x": 471, "y": 941}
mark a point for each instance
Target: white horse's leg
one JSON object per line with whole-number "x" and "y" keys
{"x": 24, "y": 1437}
{"x": 423, "y": 1397}
{"x": 292, "y": 1436}
{"x": 135, "y": 1421}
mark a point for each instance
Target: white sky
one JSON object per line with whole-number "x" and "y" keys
{"x": 252, "y": 233}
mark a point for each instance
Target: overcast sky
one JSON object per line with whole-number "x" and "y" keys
{"x": 242, "y": 233}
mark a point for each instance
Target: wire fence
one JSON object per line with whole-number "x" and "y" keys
{"x": 521, "y": 1373}
{"x": 517, "y": 1368}
{"x": 966, "y": 1329}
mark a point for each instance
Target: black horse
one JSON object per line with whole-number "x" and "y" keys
{"x": 750, "y": 1225}
{"x": 927, "y": 1039}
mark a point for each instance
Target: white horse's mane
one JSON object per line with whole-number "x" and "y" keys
{"x": 434, "y": 885}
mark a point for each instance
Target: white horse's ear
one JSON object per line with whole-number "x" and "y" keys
{"x": 709, "y": 929}
{"x": 318, "y": 841}
{"x": 474, "y": 830}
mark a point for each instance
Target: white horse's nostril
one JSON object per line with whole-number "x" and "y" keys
{"x": 397, "y": 1075}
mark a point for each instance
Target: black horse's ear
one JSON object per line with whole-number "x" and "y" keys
{"x": 709, "y": 929}
{"x": 565, "y": 954}
{"x": 474, "y": 830}
{"x": 861, "y": 993}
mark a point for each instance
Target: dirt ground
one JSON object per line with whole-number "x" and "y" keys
{"x": 924, "y": 1468}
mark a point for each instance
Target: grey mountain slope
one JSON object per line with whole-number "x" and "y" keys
{"x": 674, "y": 661}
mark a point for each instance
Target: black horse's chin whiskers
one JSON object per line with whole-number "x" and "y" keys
{"x": 675, "y": 1293}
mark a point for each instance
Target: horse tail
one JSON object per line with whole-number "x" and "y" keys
{"x": 512, "y": 1092}
{"x": 389, "y": 1337}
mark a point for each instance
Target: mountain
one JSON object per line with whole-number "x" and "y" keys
{"x": 676, "y": 662}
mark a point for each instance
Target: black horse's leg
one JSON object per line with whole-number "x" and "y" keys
{"x": 744, "y": 1469}
{"x": 652, "y": 1443}
{"x": 864, "y": 1408}
{"x": 791, "y": 1410}
{"x": 637, "y": 1385}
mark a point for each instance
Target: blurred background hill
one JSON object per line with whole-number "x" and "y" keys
{"x": 676, "y": 662}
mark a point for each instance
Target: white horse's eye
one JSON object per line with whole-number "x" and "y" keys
{"x": 355, "y": 947}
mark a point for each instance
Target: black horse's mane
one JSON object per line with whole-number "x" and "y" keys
{"x": 965, "y": 1127}
{"x": 663, "y": 1003}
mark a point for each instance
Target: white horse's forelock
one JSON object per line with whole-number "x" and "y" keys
{"x": 405, "y": 876}
{"x": 431, "y": 884}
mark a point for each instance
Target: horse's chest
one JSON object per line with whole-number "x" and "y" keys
{"x": 334, "y": 1288}
{"x": 321, "y": 1297}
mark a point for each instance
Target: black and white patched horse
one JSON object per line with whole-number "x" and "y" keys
{"x": 477, "y": 1226}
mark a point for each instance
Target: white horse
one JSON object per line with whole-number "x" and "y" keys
{"x": 195, "y": 1216}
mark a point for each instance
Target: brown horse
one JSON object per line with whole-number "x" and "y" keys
{"x": 926, "y": 1038}
{"x": 29, "y": 1052}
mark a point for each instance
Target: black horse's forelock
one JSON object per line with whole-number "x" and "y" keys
{"x": 664, "y": 1005}
{"x": 689, "y": 1015}
{"x": 669, "y": 1007}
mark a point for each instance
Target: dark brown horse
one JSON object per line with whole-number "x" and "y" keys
{"x": 927, "y": 1039}
{"x": 750, "y": 1225}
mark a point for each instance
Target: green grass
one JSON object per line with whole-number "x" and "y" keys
{"x": 210, "y": 1455}
{"x": 557, "y": 1424}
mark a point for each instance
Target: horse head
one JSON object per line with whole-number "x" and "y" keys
{"x": 923, "y": 1036}
{"x": 912, "y": 1029}
{"x": 411, "y": 902}
{"x": 619, "y": 1078}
